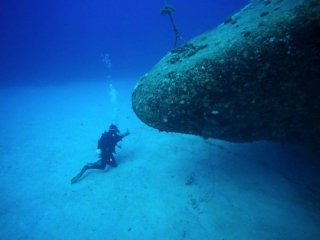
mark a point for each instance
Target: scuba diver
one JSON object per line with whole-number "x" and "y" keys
{"x": 106, "y": 147}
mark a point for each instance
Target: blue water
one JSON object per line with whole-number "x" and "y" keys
{"x": 67, "y": 70}
{"x": 58, "y": 41}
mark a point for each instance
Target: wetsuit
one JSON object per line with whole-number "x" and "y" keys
{"x": 106, "y": 144}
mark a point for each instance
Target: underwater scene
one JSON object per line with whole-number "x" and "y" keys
{"x": 164, "y": 119}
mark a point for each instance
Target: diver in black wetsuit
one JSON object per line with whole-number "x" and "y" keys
{"x": 106, "y": 144}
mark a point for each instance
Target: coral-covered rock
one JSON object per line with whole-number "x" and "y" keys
{"x": 256, "y": 79}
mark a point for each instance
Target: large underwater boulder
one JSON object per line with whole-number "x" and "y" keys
{"x": 254, "y": 77}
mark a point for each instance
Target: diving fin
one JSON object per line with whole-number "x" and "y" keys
{"x": 76, "y": 178}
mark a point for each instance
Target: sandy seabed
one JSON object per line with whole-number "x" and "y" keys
{"x": 166, "y": 185}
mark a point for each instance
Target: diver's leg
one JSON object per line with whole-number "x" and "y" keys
{"x": 112, "y": 161}
{"x": 95, "y": 163}
{"x": 100, "y": 164}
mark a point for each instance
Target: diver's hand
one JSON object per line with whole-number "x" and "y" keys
{"x": 126, "y": 133}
